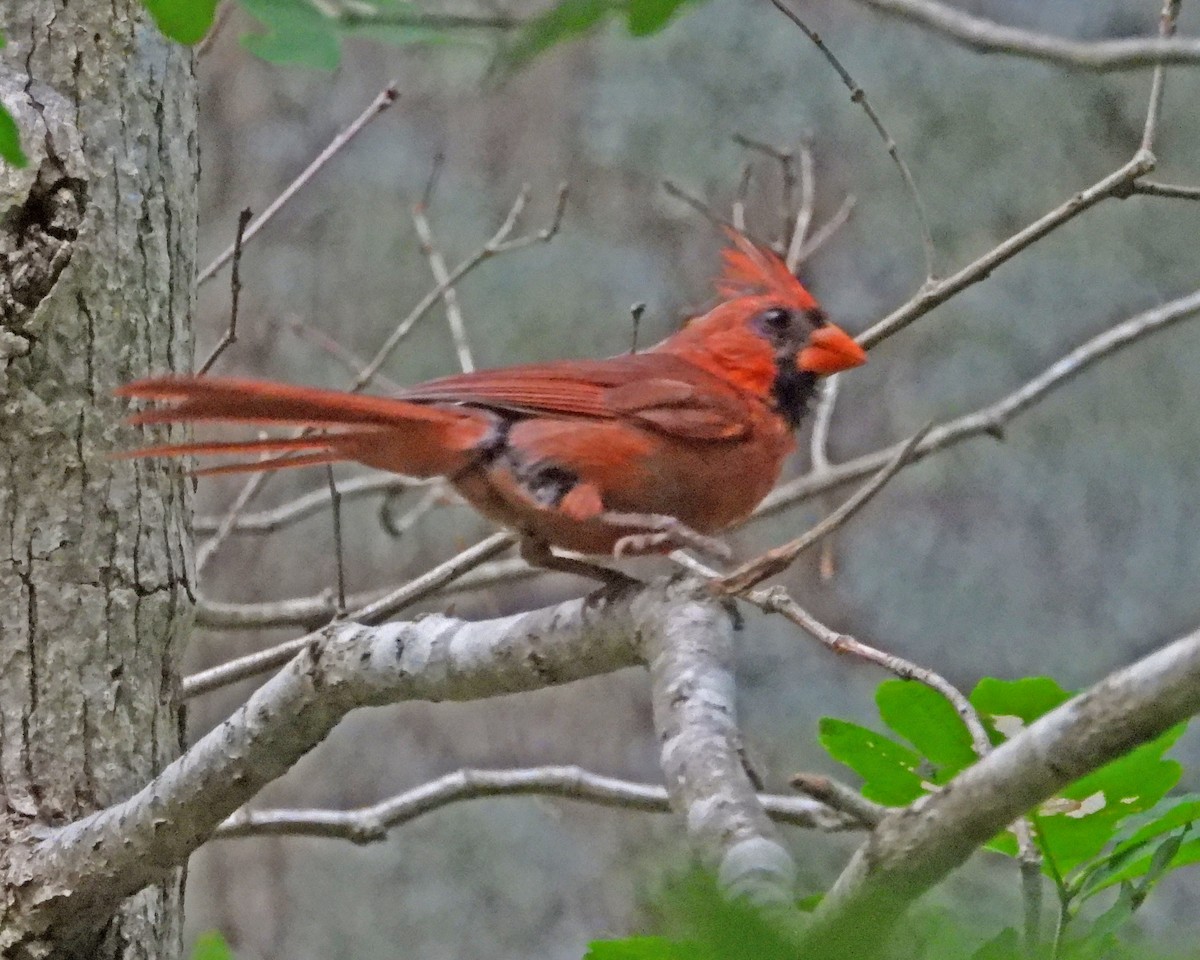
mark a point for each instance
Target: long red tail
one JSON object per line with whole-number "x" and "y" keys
{"x": 408, "y": 438}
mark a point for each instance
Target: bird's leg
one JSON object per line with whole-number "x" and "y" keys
{"x": 660, "y": 529}
{"x": 538, "y": 554}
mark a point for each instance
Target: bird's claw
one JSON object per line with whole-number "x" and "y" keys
{"x": 664, "y": 531}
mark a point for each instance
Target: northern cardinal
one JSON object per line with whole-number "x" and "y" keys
{"x": 636, "y": 453}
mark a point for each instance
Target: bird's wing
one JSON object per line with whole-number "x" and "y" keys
{"x": 658, "y": 390}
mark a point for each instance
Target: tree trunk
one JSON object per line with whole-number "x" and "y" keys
{"x": 97, "y": 255}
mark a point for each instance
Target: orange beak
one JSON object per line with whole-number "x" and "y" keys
{"x": 830, "y": 350}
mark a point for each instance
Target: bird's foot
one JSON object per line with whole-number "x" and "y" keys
{"x": 660, "y": 530}
{"x": 538, "y": 554}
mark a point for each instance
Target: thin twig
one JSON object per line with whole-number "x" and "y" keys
{"x": 371, "y": 824}
{"x": 839, "y": 796}
{"x": 437, "y": 266}
{"x": 859, "y": 96}
{"x": 831, "y": 226}
{"x": 500, "y": 242}
{"x": 1175, "y": 191}
{"x": 268, "y": 521}
{"x": 819, "y": 460}
{"x": 421, "y": 19}
{"x": 808, "y": 198}
{"x": 235, "y": 290}
{"x": 707, "y": 212}
{"x": 207, "y": 550}
{"x": 386, "y": 97}
{"x": 343, "y": 355}
{"x": 1166, "y": 29}
{"x": 1115, "y": 184}
{"x": 335, "y": 508}
{"x": 234, "y": 670}
{"x": 738, "y": 212}
{"x": 777, "y": 600}
{"x": 636, "y": 311}
{"x": 987, "y": 36}
{"x": 777, "y": 560}
{"x": 787, "y": 168}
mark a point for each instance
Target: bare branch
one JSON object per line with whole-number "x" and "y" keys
{"x": 437, "y": 266}
{"x": 256, "y": 663}
{"x": 500, "y": 242}
{"x": 208, "y": 549}
{"x": 837, "y": 796}
{"x": 1175, "y": 191}
{"x": 268, "y": 521}
{"x": 777, "y": 560}
{"x": 350, "y": 360}
{"x": 690, "y": 654}
{"x": 229, "y": 337}
{"x": 831, "y": 226}
{"x": 370, "y": 824}
{"x": 386, "y": 97}
{"x": 1166, "y": 29}
{"x": 795, "y": 251}
{"x": 1115, "y": 184}
{"x": 987, "y": 36}
{"x": 74, "y": 871}
{"x": 991, "y": 420}
{"x": 914, "y": 848}
{"x": 335, "y": 508}
{"x": 859, "y": 96}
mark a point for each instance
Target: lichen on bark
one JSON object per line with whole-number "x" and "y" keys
{"x": 97, "y": 248}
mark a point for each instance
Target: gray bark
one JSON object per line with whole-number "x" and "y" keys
{"x": 97, "y": 248}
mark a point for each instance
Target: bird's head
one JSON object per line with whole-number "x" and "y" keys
{"x": 768, "y": 335}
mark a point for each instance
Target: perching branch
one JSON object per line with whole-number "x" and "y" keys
{"x": 690, "y": 653}
{"x": 916, "y": 847}
{"x": 373, "y": 612}
{"x": 778, "y": 559}
{"x": 73, "y": 873}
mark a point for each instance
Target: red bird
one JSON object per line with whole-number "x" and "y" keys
{"x": 636, "y": 453}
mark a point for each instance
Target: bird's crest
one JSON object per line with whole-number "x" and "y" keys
{"x": 752, "y": 271}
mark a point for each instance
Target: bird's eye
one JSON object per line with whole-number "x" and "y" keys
{"x": 777, "y": 320}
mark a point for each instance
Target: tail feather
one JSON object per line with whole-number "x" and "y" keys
{"x": 271, "y": 463}
{"x": 262, "y": 402}
{"x": 418, "y": 440}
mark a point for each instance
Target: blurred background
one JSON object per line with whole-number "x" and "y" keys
{"x": 1066, "y": 550}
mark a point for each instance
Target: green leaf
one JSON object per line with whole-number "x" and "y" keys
{"x": 929, "y": 722}
{"x": 645, "y": 17}
{"x": 566, "y": 21}
{"x": 1027, "y": 699}
{"x": 297, "y": 33}
{"x": 810, "y": 903}
{"x": 10, "y": 141}
{"x": 1129, "y": 785}
{"x": 1165, "y": 816}
{"x": 635, "y": 948}
{"x": 185, "y": 21}
{"x": 888, "y": 768}
{"x": 1005, "y": 945}
{"x": 1186, "y": 856}
{"x": 211, "y": 946}
{"x": 10, "y": 137}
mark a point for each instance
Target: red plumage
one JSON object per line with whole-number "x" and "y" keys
{"x": 686, "y": 437}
